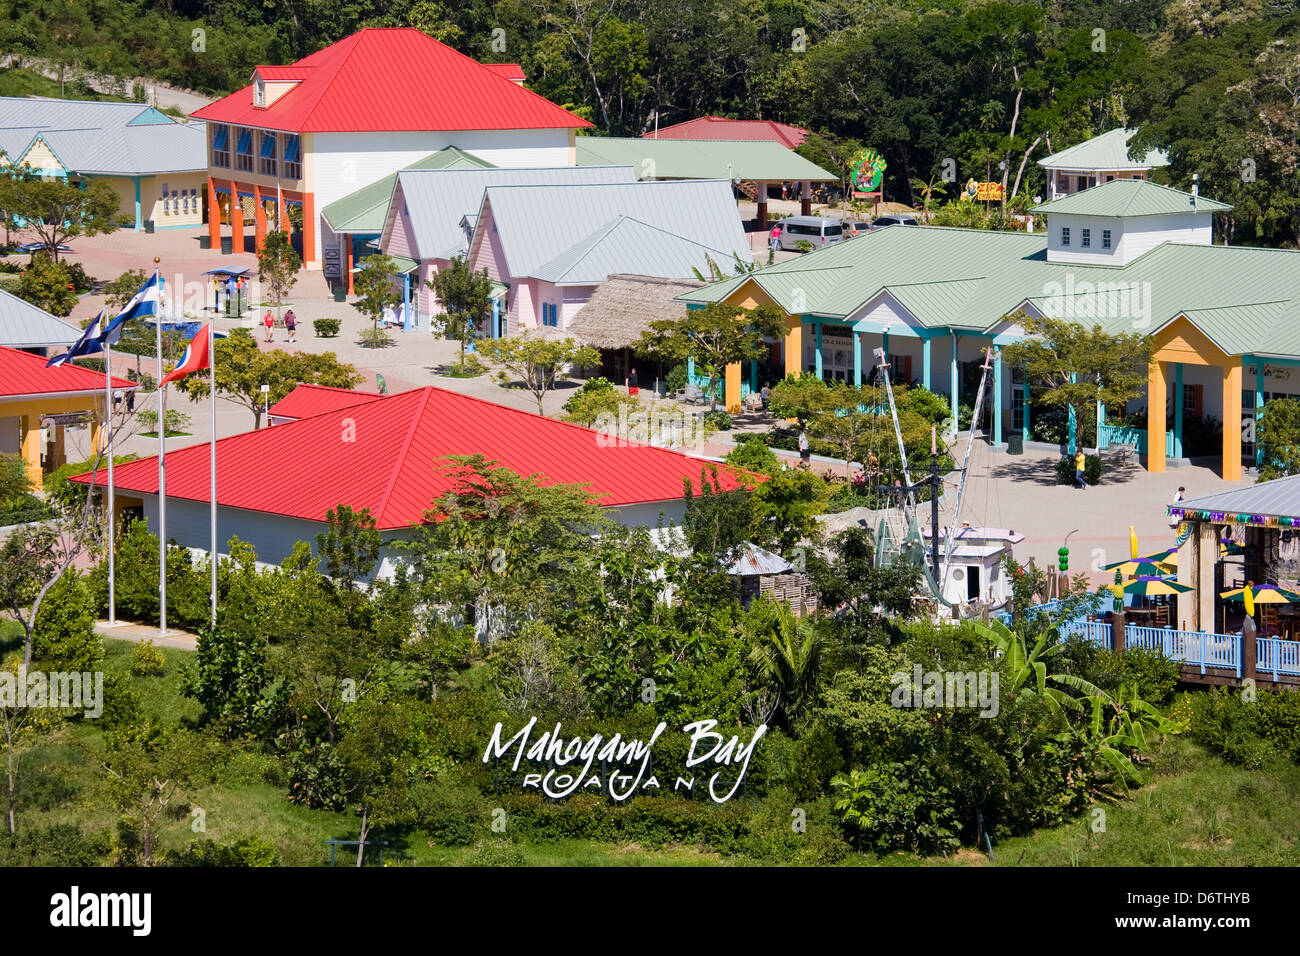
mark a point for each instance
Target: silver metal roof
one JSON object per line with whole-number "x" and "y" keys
{"x": 1279, "y": 497}
{"x": 630, "y": 245}
{"x": 755, "y": 560}
{"x": 24, "y": 326}
{"x": 538, "y": 226}
{"x": 438, "y": 199}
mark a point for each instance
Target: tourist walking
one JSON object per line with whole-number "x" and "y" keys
{"x": 269, "y": 321}
{"x": 632, "y": 386}
{"x": 1178, "y": 496}
{"x": 774, "y": 238}
{"x": 805, "y": 449}
{"x": 291, "y": 325}
{"x": 1079, "y": 462}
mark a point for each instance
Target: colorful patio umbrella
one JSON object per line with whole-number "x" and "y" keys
{"x": 1263, "y": 594}
{"x": 1142, "y": 567}
{"x": 1170, "y": 557}
{"x": 1149, "y": 586}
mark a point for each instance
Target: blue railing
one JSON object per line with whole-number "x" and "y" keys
{"x": 1099, "y": 632}
{"x": 1108, "y": 435}
{"x": 1198, "y": 648}
{"x": 1277, "y": 656}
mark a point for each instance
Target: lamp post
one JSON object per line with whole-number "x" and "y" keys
{"x": 266, "y": 403}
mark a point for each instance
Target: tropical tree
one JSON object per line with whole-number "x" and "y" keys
{"x": 373, "y": 286}
{"x": 1075, "y": 365}
{"x": 243, "y": 368}
{"x": 786, "y": 653}
{"x": 715, "y": 336}
{"x": 47, "y": 285}
{"x": 537, "y": 362}
{"x": 1278, "y": 435}
{"x": 928, "y": 190}
{"x": 57, "y": 211}
{"x": 277, "y": 267}
{"x": 465, "y": 297}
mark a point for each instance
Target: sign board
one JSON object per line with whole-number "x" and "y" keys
{"x": 331, "y": 266}
{"x": 982, "y": 192}
{"x": 68, "y": 418}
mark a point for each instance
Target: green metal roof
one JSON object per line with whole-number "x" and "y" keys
{"x": 1121, "y": 198}
{"x": 364, "y": 211}
{"x": 1245, "y": 299}
{"x": 1104, "y": 152}
{"x": 739, "y": 160}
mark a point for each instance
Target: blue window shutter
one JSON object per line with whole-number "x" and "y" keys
{"x": 222, "y": 137}
{"x": 291, "y": 147}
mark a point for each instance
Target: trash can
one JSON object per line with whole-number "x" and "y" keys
{"x": 340, "y": 293}
{"x": 227, "y": 245}
{"x": 1015, "y": 444}
{"x": 148, "y": 226}
{"x": 205, "y": 242}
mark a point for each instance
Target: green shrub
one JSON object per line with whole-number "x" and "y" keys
{"x": 753, "y": 454}
{"x": 897, "y": 806}
{"x": 1249, "y": 733}
{"x": 470, "y": 368}
{"x": 373, "y": 338}
{"x": 146, "y": 660}
{"x": 783, "y": 829}
{"x": 718, "y": 420}
{"x": 495, "y": 852}
{"x": 452, "y": 813}
{"x": 652, "y": 821}
{"x": 1091, "y": 470}
{"x": 25, "y": 509}
{"x": 326, "y": 328}
{"x": 68, "y": 495}
{"x": 64, "y": 637}
{"x": 317, "y": 777}
{"x": 62, "y": 844}
{"x": 676, "y": 379}
{"x": 245, "y": 852}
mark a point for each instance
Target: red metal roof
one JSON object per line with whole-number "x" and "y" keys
{"x": 393, "y": 80}
{"x": 308, "y": 400}
{"x": 511, "y": 71}
{"x": 385, "y": 456}
{"x": 719, "y": 127}
{"x": 22, "y": 373}
{"x": 292, "y": 72}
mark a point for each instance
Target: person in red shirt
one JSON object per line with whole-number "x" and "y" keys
{"x": 269, "y": 321}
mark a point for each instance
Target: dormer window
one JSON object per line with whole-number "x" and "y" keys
{"x": 1105, "y": 238}
{"x": 1065, "y": 235}
{"x": 259, "y": 93}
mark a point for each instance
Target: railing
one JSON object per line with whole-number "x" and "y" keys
{"x": 1099, "y": 632}
{"x": 1198, "y": 648}
{"x": 1277, "y": 656}
{"x": 1108, "y": 435}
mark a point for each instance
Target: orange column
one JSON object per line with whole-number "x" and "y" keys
{"x": 1156, "y": 396}
{"x": 308, "y": 227}
{"x": 347, "y": 243}
{"x": 285, "y": 225}
{"x": 259, "y": 219}
{"x": 1232, "y": 420}
{"x": 214, "y": 216}
{"x": 236, "y": 219}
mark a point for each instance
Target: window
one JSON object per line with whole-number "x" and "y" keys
{"x": 292, "y": 158}
{"x": 834, "y": 230}
{"x": 221, "y": 145}
{"x": 166, "y": 206}
{"x": 267, "y": 156}
{"x": 1065, "y": 235}
{"x": 550, "y": 314}
{"x": 259, "y": 93}
{"x": 972, "y": 582}
{"x": 1086, "y": 238}
{"x": 1105, "y": 238}
{"x": 244, "y": 151}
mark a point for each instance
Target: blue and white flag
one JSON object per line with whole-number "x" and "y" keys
{"x": 145, "y": 302}
{"x": 88, "y": 344}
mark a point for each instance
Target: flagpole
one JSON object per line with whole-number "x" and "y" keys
{"x": 108, "y": 416}
{"x": 162, "y": 481}
{"x": 212, "y": 454}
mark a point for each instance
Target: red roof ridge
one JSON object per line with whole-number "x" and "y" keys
{"x": 416, "y": 415}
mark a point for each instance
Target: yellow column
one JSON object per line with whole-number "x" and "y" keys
{"x": 1231, "y": 470}
{"x": 1156, "y": 416}
{"x": 793, "y": 345}
{"x": 32, "y": 449}
{"x": 732, "y": 394}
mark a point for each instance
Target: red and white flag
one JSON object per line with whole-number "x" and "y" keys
{"x": 196, "y": 358}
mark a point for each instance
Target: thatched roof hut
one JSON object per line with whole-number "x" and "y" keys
{"x": 623, "y": 306}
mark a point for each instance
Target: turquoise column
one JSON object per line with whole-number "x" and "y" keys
{"x": 1024, "y": 412}
{"x": 817, "y": 337}
{"x": 406, "y": 302}
{"x": 496, "y": 321}
{"x": 139, "y": 218}
{"x": 1101, "y": 420}
{"x": 925, "y": 362}
{"x": 997, "y": 398}
{"x": 1074, "y": 424}
{"x": 952, "y": 383}
{"x": 884, "y": 344}
{"x": 1259, "y": 405}
{"x": 1178, "y": 409}
{"x": 690, "y": 375}
{"x": 857, "y": 359}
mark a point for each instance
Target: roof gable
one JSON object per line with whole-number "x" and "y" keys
{"x": 427, "y": 86}
{"x": 629, "y": 245}
{"x": 23, "y": 373}
{"x": 1107, "y": 151}
{"x": 1123, "y": 198}
{"x": 365, "y": 211}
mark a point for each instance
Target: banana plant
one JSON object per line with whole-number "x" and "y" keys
{"x": 1122, "y": 721}
{"x": 1026, "y": 666}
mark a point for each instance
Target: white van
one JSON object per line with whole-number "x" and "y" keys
{"x": 820, "y": 232}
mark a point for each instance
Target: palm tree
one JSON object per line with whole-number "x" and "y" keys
{"x": 928, "y": 191}
{"x": 786, "y": 654}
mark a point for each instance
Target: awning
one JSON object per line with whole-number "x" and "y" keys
{"x": 235, "y": 271}
{"x": 404, "y": 265}
{"x": 498, "y": 290}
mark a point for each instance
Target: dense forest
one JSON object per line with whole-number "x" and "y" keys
{"x": 991, "y": 86}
